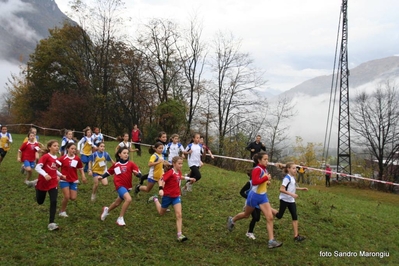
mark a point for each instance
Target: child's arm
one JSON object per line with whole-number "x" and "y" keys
{"x": 302, "y": 188}
{"x": 19, "y": 155}
{"x": 82, "y": 174}
{"x": 160, "y": 160}
{"x": 244, "y": 189}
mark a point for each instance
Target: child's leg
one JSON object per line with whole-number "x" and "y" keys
{"x": 64, "y": 203}
{"x": 40, "y": 196}
{"x": 147, "y": 188}
{"x": 195, "y": 172}
{"x": 245, "y": 214}
{"x": 53, "y": 193}
{"x": 267, "y": 211}
{"x": 255, "y": 218}
{"x": 292, "y": 209}
{"x": 115, "y": 204}
{"x": 95, "y": 184}
{"x": 281, "y": 209}
{"x": 127, "y": 200}
{"x": 179, "y": 219}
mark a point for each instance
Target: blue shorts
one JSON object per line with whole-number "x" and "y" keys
{"x": 151, "y": 180}
{"x": 96, "y": 174}
{"x": 29, "y": 164}
{"x": 166, "y": 201}
{"x": 255, "y": 199}
{"x": 70, "y": 185}
{"x": 122, "y": 191}
{"x": 84, "y": 158}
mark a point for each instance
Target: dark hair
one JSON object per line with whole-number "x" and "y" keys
{"x": 69, "y": 145}
{"x": 119, "y": 151}
{"x": 259, "y": 156}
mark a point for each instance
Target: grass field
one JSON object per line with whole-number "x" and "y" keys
{"x": 335, "y": 220}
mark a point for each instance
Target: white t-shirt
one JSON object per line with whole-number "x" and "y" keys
{"x": 291, "y": 188}
{"x": 194, "y": 158}
{"x": 174, "y": 150}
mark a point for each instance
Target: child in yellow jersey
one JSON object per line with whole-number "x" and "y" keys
{"x": 85, "y": 147}
{"x": 5, "y": 141}
{"x": 98, "y": 166}
{"x": 156, "y": 170}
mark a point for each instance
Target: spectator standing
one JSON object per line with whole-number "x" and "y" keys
{"x": 255, "y": 147}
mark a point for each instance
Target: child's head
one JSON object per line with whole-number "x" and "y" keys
{"x": 122, "y": 153}
{"x": 177, "y": 162}
{"x": 71, "y": 148}
{"x": 69, "y": 134}
{"x": 158, "y": 147}
{"x": 162, "y": 136}
{"x": 135, "y": 127}
{"x": 96, "y": 130}
{"x": 52, "y": 147}
{"x": 290, "y": 168}
{"x": 201, "y": 141}
{"x": 174, "y": 138}
{"x": 125, "y": 137}
{"x": 3, "y": 129}
{"x": 33, "y": 130}
{"x": 261, "y": 158}
{"x": 87, "y": 132}
{"x": 101, "y": 147}
{"x": 196, "y": 138}
{"x": 31, "y": 136}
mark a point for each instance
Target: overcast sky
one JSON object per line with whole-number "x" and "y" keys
{"x": 291, "y": 40}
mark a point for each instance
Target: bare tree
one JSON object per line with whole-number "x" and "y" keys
{"x": 277, "y": 123}
{"x": 375, "y": 120}
{"x": 158, "y": 44}
{"x": 193, "y": 57}
{"x": 235, "y": 80}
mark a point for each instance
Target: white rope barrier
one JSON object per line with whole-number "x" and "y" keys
{"x": 227, "y": 157}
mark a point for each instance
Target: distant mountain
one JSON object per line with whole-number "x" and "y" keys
{"x": 23, "y": 23}
{"x": 368, "y": 72}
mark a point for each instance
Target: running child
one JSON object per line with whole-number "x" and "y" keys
{"x": 170, "y": 193}
{"x": 47, "y": 181}
{"x": 287, "y": 198}
{"x": 258, "y": 196}
{"x": 194, "y": 152}
{"x": 68, "y": 138}
{"x": 28, "y": 154}
{"x": 206, "y": 149}
{"x": 85, "y": 147}
{"x": 97, "y": 167}
{"x": 122, "y": 170}
{"x": 156, "y": 170}
{"x": 70, "y": 164}
{"x": 174, "y": 148}
{"x": 5, "y": 141}
{"x": 97, "y": 136}
{"x": 125, "y": 143}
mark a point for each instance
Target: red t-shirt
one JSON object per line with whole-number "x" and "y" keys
{"x": 123, "y": 174}
{"x": 50, "y": 165}
{"x": 136, "y": 135}
{"x": 28, "y": 151}
{"x": 172, "y": 183}
{"x": 69, "y": 167}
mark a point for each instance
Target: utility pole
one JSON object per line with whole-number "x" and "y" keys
{"x": 344, "y": 143}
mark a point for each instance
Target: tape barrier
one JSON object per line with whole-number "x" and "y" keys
{"x": 226, "y": 157}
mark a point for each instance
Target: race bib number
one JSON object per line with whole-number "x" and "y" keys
{"x": 74, "y": 163}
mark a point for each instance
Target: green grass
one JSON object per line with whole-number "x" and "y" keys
{"x": 340, "y": 218}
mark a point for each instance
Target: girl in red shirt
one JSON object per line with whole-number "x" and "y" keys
{"x": 70, "y": 163}
{"x": 28, "y": 153}
{"x": 47, "y": 181}
{"x": 122, "y": 170}
{"x": 170, "y": 193}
